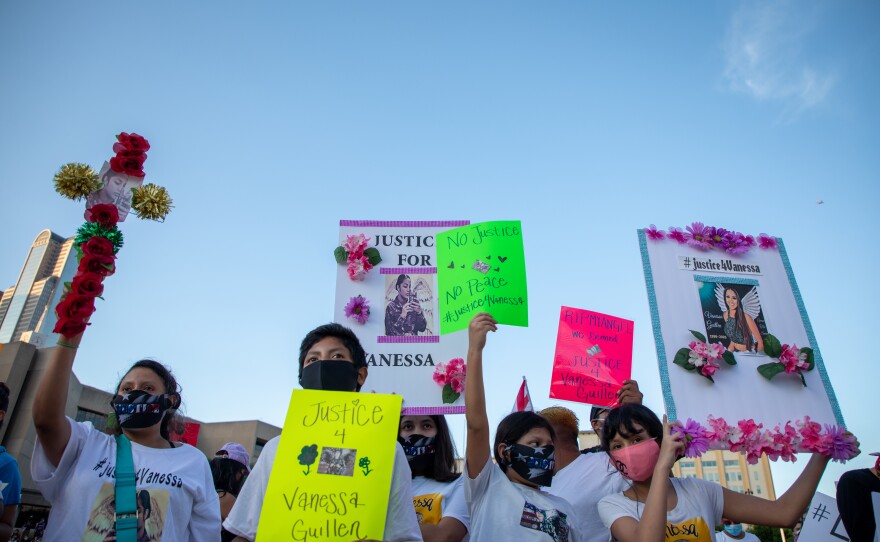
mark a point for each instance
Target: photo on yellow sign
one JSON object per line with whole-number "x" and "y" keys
{"x": 332, "y": 473}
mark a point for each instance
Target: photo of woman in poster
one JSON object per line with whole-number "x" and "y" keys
{"x": 739, "y": 319}
{"x": 403, "y": 314}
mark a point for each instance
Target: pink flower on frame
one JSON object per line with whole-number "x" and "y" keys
{"x": 766, "y": 241}
{"x": 677, "y": 234}
{"x": 790, "y": 358}
{"x": 355, "y": 245}
{"x": 358, "y": 308}
{"x": 810, "y": 432}
{"x": 696, "y": 437}
{"x": 699, "y": 236}
{"x": 654, "y": 234}
{"x": 440, "y": 374}
{"x": 838, "y": 445}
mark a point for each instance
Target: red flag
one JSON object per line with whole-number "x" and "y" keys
{"x": 523, "y": 399}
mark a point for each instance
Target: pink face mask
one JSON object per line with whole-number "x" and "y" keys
{"x": 637, "y": 461}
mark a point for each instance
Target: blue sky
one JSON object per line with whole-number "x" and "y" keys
{"x": 270, "y": 122}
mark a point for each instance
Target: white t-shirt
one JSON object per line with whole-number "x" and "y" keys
{"x": 699, "y": 508}
{"x": 435, "y": 500}
{"x": 747, "y": 537}
{"x": 503, "y": 510}
{"x": 176, "y": 496}
{"x": 583, "y": 482}
{"x": 400, "y": 522}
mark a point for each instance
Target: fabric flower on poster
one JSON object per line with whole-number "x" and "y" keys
{"x": 696, "y": 437}
{"x": 782, "y": 443}
{"x": 699, "y": 236}
{"x": 677, "y": 234}
{"x": 355, "y": 254}
{"x": 358, "y": 308}
{"x": 703, "y": 357}
{"x": 766, "y": 242}
{"x": 811, "y": 435}
{"x": 838, "y": 444}
{"x": 451, "y": 377}
{"x": 748, "y": 439}
{"x": 654, "y": 234}
{"x": 792, "y": 360}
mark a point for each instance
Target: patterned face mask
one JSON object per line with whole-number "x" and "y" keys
{"x": 138, "y": 409}
{"x": 533, "y": 464}
{"x": 419, "y": 451}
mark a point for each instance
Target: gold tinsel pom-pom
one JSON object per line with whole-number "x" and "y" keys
{"x": 76, "y": 181}
{"x": 151, "y": 202}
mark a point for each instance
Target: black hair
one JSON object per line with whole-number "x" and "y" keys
{"x": 144, "y": 497}
{"x": 622, "y": 420}
{"x": 597, "y": 411}
{"x": 443, "y": 468}
{"x": 171, "y": 388}
{"x": 400, "y": 280}
{"x": 513, "y": 427}
{"x": 225, "y": 471}
{"x": 348, "y": 338}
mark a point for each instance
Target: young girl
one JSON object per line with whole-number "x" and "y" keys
{"x": 74, "y": 464}
{"x": 505, "y": 498}
{"x": 230, "y": 468}
{"x": 657, "y": 507}
{"x": 437, "y": 490}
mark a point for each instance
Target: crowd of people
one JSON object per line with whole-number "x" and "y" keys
{"x": 533, "y": 482}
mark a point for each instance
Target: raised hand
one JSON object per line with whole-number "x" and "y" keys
{"x": 480, "y": 326}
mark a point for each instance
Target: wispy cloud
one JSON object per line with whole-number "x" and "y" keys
{"x": 764, "y": 53}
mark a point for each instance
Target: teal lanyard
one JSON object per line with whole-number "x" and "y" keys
{"x": 126, "y": 493}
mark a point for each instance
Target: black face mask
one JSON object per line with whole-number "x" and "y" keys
{"x": 138, "y": 409}
{"x": 419, "y": 452}
{"x": 330, "y": 375}
{"x": 533, "y": 464}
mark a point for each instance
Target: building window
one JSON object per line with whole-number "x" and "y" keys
{"x": 258, "y": 449}
{"x": 731, "y": 463}
{"x": 687, "y": 464}
{"x": 755, "y": 475}
{"x": 98, "y": 420}
{"x": 758, "y": 490}
{"x": 710, "y": 463}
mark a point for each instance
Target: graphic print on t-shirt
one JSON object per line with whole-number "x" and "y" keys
{"x": 152, "y": 506}
{"x": 429, "y": 508}
{"x": 552, "y": 522}
{"x": 692, "y": 530}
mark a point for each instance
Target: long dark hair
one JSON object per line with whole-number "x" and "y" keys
{"x": 171, "y": 388}
{"x": 740, "y": 319}
{"x": 225, "y": 471}
{"x": 443, "y": 468}
{"x": 514, "y": 426}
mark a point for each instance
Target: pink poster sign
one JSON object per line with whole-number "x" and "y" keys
{"x": 593, "y": 357}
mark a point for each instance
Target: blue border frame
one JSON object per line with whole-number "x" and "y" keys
{"x": 668, "y": 400}
{"x": 817, "y": 355}
{"x": 655, "y": 325}
{"x": 728, "y": 280}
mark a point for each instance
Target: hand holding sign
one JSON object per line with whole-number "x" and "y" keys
{"x": 482, "y": 270}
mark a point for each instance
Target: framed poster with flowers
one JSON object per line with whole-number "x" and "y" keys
{"x": 386, "y": 291}
{"x": 739, "y": 363}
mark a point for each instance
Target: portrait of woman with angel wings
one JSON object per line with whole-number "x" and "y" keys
{"x": 739, "y": 318}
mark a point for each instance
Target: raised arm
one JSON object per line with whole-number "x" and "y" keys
{"x": 787, "y": 509}
{"x": 477, "y": 450}
{"x": 53, "y": 429}
{"x": 651, "y": 526}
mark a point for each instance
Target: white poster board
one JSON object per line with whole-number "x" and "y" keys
{"x": 822, "y": 522}
{"x": 402, "y": 351}
{"x": 686, "y": 291}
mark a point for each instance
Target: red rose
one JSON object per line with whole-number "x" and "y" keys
{"x": 69, "y": 328}
{"x": 131, "y": 142}
{"x": 104, "y": 214}
{"x": 129, "y": 163}
{"x": 88, "y": 284}
{"x": 99, "y": 247}
{"x": 100, "y": 265}
{"x": 75, "y": 307}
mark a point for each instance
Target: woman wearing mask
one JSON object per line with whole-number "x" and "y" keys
{"x": 230, "y": 467}
{"x": 657, "y": 507}
{"x": 505, "y": 498}
{"x": 74, "y": 465}
{"x": 438, "y": 493}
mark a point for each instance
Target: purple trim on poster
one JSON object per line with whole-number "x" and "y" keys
{"x": 404, "y": 223}
{"x": 408, "y": 271}
{"x": 408, "y": 339}
{"x": 427, "y": 411}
